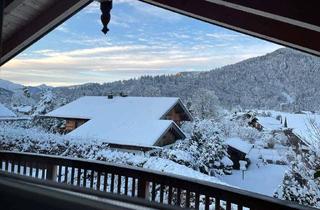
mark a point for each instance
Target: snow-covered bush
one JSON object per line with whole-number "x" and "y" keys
{"x": 281, "y": 138}
{"x": 52, "y": 125}
{"x": 271, "y": 142}
{"x": 299, "y": 184}
{"x": 203, "y": 150}
{"x": 36, "y": 140}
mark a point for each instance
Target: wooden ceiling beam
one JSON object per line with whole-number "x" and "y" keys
{"x": 291, "y": 11}
{"x": 11, "y": 5}
{"x": 240, "y": 18}
{"x": 40, "y": 26}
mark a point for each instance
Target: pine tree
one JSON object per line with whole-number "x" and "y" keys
{"x": 285, "y": 123}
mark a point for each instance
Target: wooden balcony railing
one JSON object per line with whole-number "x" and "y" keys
{"x": 153, "y": 186}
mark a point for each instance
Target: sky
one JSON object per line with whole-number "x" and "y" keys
{"x": 143, "y": 40}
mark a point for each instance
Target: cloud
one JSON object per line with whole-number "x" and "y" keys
{"x": 104, "y": 64}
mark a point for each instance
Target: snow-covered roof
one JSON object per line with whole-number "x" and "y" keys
{"x": 90, "y": 107}
{"x": 239, "y": 144}
{"x": 121, "y": 120}
{"x": 5, "y": 112}
{"x": 123, "y": 131}
{"x": 269, "y": 123}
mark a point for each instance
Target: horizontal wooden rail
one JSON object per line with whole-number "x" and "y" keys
{"x": 153, "y": 186}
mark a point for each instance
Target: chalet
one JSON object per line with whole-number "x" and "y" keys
{"x": 5, "y": 112}
{"x": 238, "y": 150}
{"x": 125, "y": 122}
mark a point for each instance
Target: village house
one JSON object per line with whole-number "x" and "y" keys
{"x": 127, "y": 123}
{"x": 238, "y": 149}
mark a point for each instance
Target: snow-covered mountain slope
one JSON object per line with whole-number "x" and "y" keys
{"x": 5, "y": 84}
{"x": 282, "y": 80}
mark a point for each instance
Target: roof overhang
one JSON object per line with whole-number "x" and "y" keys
{"x": 26, "y": 21}
{"x": 187, "y": 114}
{"x": 292, "y": 23}
{"x": 177, "y": 132}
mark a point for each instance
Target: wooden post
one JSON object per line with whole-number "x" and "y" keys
{"x": 143, "y": 188}
{"x": 51, "y": 173}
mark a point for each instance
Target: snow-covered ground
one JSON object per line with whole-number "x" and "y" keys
{"x": 259, "y": 177}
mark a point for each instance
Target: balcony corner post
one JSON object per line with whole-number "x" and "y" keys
{"x": 51, "y": 173}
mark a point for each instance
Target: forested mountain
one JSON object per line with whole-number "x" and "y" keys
{"x": 282, "y": 80}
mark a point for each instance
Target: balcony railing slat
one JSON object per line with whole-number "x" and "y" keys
{"x": 98, "y": 180}
{"x": 78, "y": 176}
{"x": 105, "y": 181}
{"x": 161, "y": 193}
{"x": 19, "y": 167}
{"x": 133, "y": 187}
{"x": 119, "y": 184}
{"x": 153, "y": 191}
{"x": 170, "y": 195}
{"x": 112, "y": 183}
{"x": 60, "y": 173}
{"x": 217, "y": 203}
{"x": 66, "y": 172}
{"x": 72, "y": 175}
{"x": 84, "y": 178}
{"x": 228, "y": 205}
{"x": 91, "y": 178}
{"x": 126, "y": 185}
{"x": 207, "y": 202}
{"x": 178, "y": 197}
{"x": 188, "y": 198}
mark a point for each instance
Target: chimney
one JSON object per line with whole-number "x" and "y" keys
{"x": 110, "y": 95}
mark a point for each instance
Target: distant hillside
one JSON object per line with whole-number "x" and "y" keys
{"x": 282, "y": 80}
{"x": 4, "y": 84}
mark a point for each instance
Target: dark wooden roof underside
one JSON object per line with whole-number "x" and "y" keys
{"x": 292, "y": 23}
{"x": 26, "y": 21}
